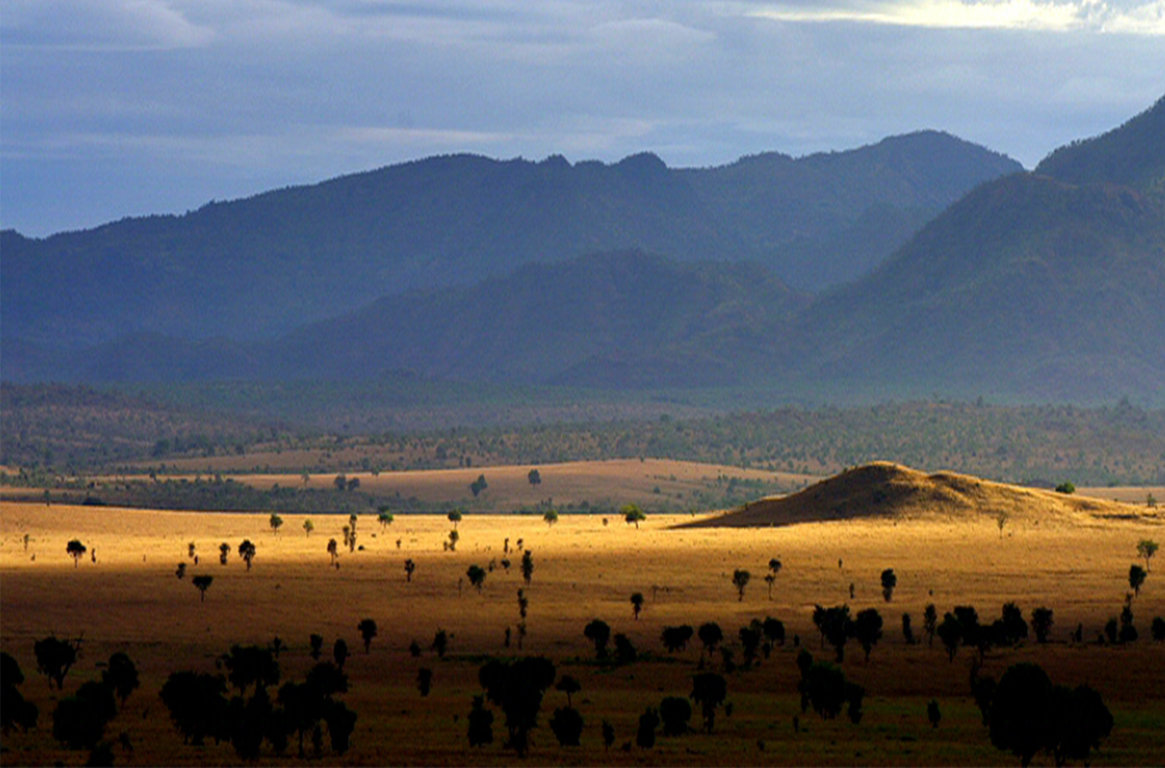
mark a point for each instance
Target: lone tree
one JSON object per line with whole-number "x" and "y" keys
{"x": 771, "y": 576}
{"x": 384, "y": 517}
{"x": 76, "y": 550}
{"x": 333, "y": 551}
{"x": 1136, "y": 578}
{"x": 708, "y": 691}
{"x": 632, "y": 514}
{"x": 478, "y": 485}
{"x": 740, "y": 579}
{"x": 930, "y": 623}
{"x": 636, "y": 603}
{"x": 599, "y": 633}
{"x": 224, "y": 550}
{"x": 340, "y": 652}
{"x": 247, "y": 552}
{"x": 367, "y": 628}
{"x": 476, "y": 575}
{"x": 276, "y": 522}
{"x": 308, "y": 527}
{"x": 455, "y": 517}
{"x": 535, "y": 478}
{"x": 568, "y": 685}
{"x": 1146, "y": 548}
{"x": 410, "y": 566}
{"x": 527, "y": 566}
{"x": 889, "y": 581}
{"x": 551, "y": 517}
{"x": 1042, "y": 623}
{"x": 202, "y": 583}
{"x": 54, "y": 657}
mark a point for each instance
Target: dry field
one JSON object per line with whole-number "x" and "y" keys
{"x": 130, "y": 600}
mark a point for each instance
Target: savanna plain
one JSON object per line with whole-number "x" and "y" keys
{"x": 124, "y": 595}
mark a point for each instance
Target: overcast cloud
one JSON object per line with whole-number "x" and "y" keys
{"x": 125, "y": 107}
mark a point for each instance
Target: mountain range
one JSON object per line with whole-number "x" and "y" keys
{"x": 940, "y": 267}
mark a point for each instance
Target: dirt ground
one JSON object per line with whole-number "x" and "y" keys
{"x": 130, "y": 600}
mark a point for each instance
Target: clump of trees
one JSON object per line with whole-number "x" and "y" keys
{"x": 15, "y": 710}
{"x": 517, "y": 688}
{"x": 824, "y": 688}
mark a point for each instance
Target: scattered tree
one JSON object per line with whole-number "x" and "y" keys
{"x": 424, "y": 681}
{"x": 867, "y": 629}
{"x": 276, "y": 522}
{"x": 410, "y": 566}
{"x": 636, "y": 603}
{"x": 1001, "y": 520}
{"x": 308, "y": 527}
{"x": 632, "y": 514}
{"x": 476, "y": 576}
{"x": 889, "y": 581}
{"x": 480, "y": 723}
{"x": 1066, "y": 487}
{"x": 440, "y": 643}
{"x": 316, "y": 644}
{"x": 250, "y": 665}
{"x": 121, "y": 675}
{"x": 1146, "y": 548}
{"x": 384, "y": 517}
{"x": 247, "y": 552}
{"x": 708, "y": 691}
{"x": 907, "y": 629}
{"x": 79, "y": 721}
{"x": 676, "y": 638}
{"x": 1042, "y": 623}
{"x": 740, "y": 580}
{"x": 951, "y": 634}
{"x": 551, "y": 517}
{"x": 675, "y": 712}
{"x": 710, "y": 635}
{"x": 1136, "y": 578}
{"x": 224, "y": 550}
{"x": 599, "y": 633}
{"x": 367, "y": 629}
{"x": 932, "y": 713}
{"x": 645, "y": 733}
{"x": 625, "y": 652}
{"x": 930, "y": 623}
{"x": 197, "y": 704}
{"x": 567, "y": 726}
{"x": 54, "y": 657}
{"x": 454, "y": 537}
{"x": 568, "y": 685}
{"x": 478, "y": 485}
{"x": 517, "y": 687}
{"x": 76, "y": 550}
{"x": 535, "y": 478}
{"x": 180, "y": 571}
{"x": 527, "y": 566}
{"x": 340, "y": 652}
{"x": 202, "y": 583}
{"x": 455, "y": 517}
{"x": 15, "y": 710}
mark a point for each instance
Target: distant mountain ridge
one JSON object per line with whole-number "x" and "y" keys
{"x": 261, "y": 266}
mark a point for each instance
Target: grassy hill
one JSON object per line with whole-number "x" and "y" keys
{"x": 883, "y": 489}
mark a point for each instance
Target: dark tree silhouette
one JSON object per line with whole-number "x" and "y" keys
{"x": 308, "y": 527}
{"x": 773, "y": 630}
{"x": 478, "y": 485}
{"x": 121, "y": 675}
{"x": 455, "y": 517}
{"x": 341, "y": 720}
{"x": 740, "y": 580}
{"x": 625, "y": 652}
{"x": 837, "y": 627}
{"x": 822, "y": 686}
{"x": 340, "y": 652}
{"x": 933, "y": 715}
{"x": 476, "y": 575}
{"x": 1042, "y": 623}
{"x": 367, "y": 629}
{"x": 180, "y": 571}
{"x": 197, "y": 704}
{"x": 889, "y": 581}
{"x": 54, "y": 657}
{"x": 202, "y": 583}
{"x": 951, "y": 634}
{"x": 535, "y": 478}
{"x": 632, "y": 514}
{"x": 1011, "y": 628}
{"x": 440, "y": 643}
{"x": 276, "y": 522}
{"x": 224, "y": 550}
{"x": 480, "y": 723}
{"x": 599, "y": 633}
{"x": 608, "y": 735}
{"x": 250, "y": 665}
{"x": 1021, "y": 712}
{"x": 424, "y": 680}
{"x": 867, "y": 629}
{"x": 1081, "y": 722}
{"x": 567, "y": 725}
{"x": 675, "y": 712}
{"x": 1146, "y": 548}
{"x": 517, "y": 687}
{"x": 527, "y": 566}
{"x": 750, "y": 638}
{"x": 568, "y": 685}
{"x": 907, "y": 629}
{"x": 645, "y": 733}
{"x": 247, "y": 552}
{"x": 384, "y": 517}
{"x": 79, "y": 721}
{"x": 15, "y": 710}
{"x": 708, "y": 691}
{"x": 636, "y": 604}
{"x": 76, "y": 550}
{"x": 551, "y": 517}
{"x": 710, "y": 636}
{"x": 316, "y": 643}
{"x": 410, "y": 566}
{"x": 1157, "y": 629}
{"x": 930, "y": 623}
{"x": 1136, "y": 578}
{"x": 676, "y": 638}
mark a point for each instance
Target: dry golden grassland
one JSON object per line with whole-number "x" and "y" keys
{"x": 130, "y": 600}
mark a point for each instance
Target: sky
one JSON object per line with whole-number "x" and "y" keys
{"x": 115, "y": 108}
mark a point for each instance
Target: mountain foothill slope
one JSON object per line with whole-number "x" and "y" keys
{"x": 892, "y": 491}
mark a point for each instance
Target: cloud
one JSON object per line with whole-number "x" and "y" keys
{"x": 1147, "y": 18}
{"x": 99, "y": 25}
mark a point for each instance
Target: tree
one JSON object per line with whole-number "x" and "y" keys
{"x": 750, "y": 641}
{"x": 1066, "y": 487}
{"x": 367, "y": 629}
{"x": 224, "y": 550}
{"x": 527, "y": 565}
{"x": 608, "y": 735}
{"x": 15, "y": 710}
{"x": 76, "y": 550}
{"x": 676, "y": 638}
{"x": 1146, "y": 548}
{"x": 836, "y": 628}
{"x": 517, "y": 687}
{"x": 645, "y": 733}
{"x": 636, "y": 603}
{"x": 625, "y": 652}
{"x": 410, "y": 566}
{"x": 907, "y": 629}
{"x": 180, "y": 571}
{"x": 455, "y": 517}
{"x": 316, "y": 643}
{"x": 121, "y": 675}
{"x": 889, "y": 581}
{"x": 550, "y": 516}
{"x": 341, "y": 482}
{"x": 1136, "y": 578}
{"x": 1081, "y": 721}
{"x": 202, "y": 583}
{"x": 476, "y": 576}
{"x": 478, "y": 485}
{"x": 1042, "y": 623}
{"x": 867, "y": 629}
{"x": 1010, "y": 629}
{"x": 79, "y": 721}
{"x": 708, "y": 691}
{"x": 276, "y": 522}
{"x": 932, "y": 713}
{"x": 197, "y": 704}
{"x": 770, "y": 579}
{"x": 822, "y": 686}
{"x": 710, "y": 635}
{"x": 599, "y": 633}
{"x": 1001, "y": 520}
{"x": 333, "y": 551}
{"x": 424, "y": 680}
{"x": 568, "y": 685}
{"x": 930, "y": 623}
{"x": 384, "y": 517}
{"x": 247, "y": 552}
{"x": 340, "y": 652}
{"x": 740, "y": 581}
{"x": 480, "y": 723}
{"x": 54, "y": 657}
{"x": 308, "y": 527}
{"x": 951, "y": 633}
{"x": 773, "y": 630}
{"x": 454, "y": 537}
{"x": 675, "y": 712}
{"x": 567, "y": 725}
{"x": 1157, "y": 629}
{"x": 1021, "y": 712}
{"x": 632, "y": 514}
{"x": 440, "y": 643}
{"x": 250, "y": 665}
{"x": 535, "y": 478}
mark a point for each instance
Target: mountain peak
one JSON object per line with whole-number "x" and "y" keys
{"x": 1132, "y": 154}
